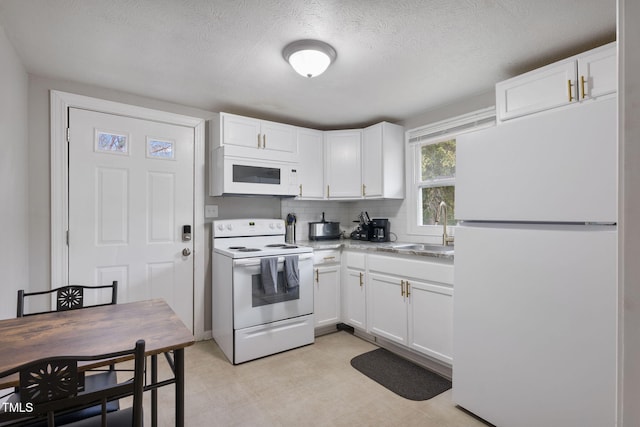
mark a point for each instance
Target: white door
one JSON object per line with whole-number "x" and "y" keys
{"x": 326, "y": 295}
{"x": 355, "y": 309}
{"x": 535, "y": 321}
{"x": 130, "y": 195}
{"x": 343, "y": 164}
{"x": 241, "y": 131}
{"x": 388, "y": 308}
{"x": 431, "y": 319}
{"x": 372, "y": 161}
{"x": 598, "y": 72}
{"x": 559, "y": 167}
{"x": 311, "y": 164}
{"x": 279, "y": 137}
{"x": 549, "y": 87}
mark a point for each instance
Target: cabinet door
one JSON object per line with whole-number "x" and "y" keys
{"x": 431, "y": 319}
{"x": 546, "y": 306}
{"x": 279, "y": 137}
{"x": 355, "y": 299}
{"x": 548, "y": 87}
{"x": 326, "y": 295}
{"x": 372, "y": 173}
{"x": 241, "y": 131}
{"x": 597, "y": 72}
{"x": 343, "y": 165}
{"x": 559, "y": 167}
{"x": 311, "y": 170}
{"x": 387, "y": 308}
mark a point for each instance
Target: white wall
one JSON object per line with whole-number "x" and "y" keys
{"x": 307, "y": 211}
{"x": 14, "y": 179}
{"x": 629, "y": 93}
{"x": 443, "y": 112}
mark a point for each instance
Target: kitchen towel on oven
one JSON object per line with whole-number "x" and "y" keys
{"x": 291, "y": 272}
{"x": 269, "y": 275}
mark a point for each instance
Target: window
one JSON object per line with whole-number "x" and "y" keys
{"x": 437, "y": 180}
{"x": 431, "y": 168}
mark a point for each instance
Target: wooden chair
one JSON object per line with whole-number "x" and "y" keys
{"x": 51, "y": 387}
{"x": 67, "y": 297}
{"x": 72, "y": 298}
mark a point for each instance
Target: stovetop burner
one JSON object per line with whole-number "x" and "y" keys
{"x": 276, "y": 245}
{"x": 289, "y": 247}
{"x": 249, "y": 250}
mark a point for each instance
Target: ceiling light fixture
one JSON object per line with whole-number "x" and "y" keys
{"x": 309, "y": 58}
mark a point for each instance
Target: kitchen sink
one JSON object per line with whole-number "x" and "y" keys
{"x": 425, "y": 248}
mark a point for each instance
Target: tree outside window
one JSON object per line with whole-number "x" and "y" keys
{"x": 437, "y": 184}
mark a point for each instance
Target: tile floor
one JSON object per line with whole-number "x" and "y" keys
{"x": 310, "y": 386}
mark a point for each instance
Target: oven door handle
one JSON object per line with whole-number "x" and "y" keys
{"x": 248, "y": 262}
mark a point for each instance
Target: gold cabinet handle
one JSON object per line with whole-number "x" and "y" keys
{"x": 328, "y": 192}
{"x": 402, "y": 287}
{"x": 364, "y": 188}
{"x": 258, "y": 140}
{"x": 582, "y": 81}
{"x": 300, "y": 190}
{"x": 264, "y": 140}
{"x": 328, "y": 258}
{"x": 317, "y": 275}
{"x": 408, "y": 285}
{"x": 361, "y": 279}
{"x": 570, "y": 91}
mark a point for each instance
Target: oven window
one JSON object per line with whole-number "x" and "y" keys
{"x": 256, "y": 175}
{"x": 260, "y": 297}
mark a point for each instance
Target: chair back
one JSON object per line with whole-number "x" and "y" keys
{"x": 69, "y": 297}
{"x": 54, "y": 386}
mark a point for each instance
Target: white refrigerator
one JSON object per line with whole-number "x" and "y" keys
{"x": 535, "y": 305}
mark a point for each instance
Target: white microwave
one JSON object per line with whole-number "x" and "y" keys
{"x": 237, "y": 175}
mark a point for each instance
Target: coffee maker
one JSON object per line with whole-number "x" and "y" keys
{"x": 362, "y": 232}
{"x": 379, "y": 230}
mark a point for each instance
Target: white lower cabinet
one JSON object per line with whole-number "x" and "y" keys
{"x": 326, "y": 288}
{"x": 388, "y": 308}
{"x": 431, "y": 320}
{"x": 354, "y": 296}
{"x": 411, "y": 303}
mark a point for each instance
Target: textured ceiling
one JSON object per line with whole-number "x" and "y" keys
{"x": 396, "y": 59}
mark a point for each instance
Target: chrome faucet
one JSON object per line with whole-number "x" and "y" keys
{"x": 441, "y": 214}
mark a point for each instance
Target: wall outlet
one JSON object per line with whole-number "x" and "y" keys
{"x": 211, "y": 211}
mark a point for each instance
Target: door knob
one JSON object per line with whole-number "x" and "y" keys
{"x": 186, "y": 252}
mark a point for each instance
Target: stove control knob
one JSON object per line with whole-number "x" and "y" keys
{"x": 279, "y": 225}
{"x": 220, "y": 227}
{"x": 229, "y": 227}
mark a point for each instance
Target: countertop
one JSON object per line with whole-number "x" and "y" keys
{"x": 388, "y": 247}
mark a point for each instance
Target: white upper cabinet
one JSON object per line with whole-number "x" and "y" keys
{"x": 366, "y": 163}
{"x": 311, "y": 170}
{"x": 597, "y": 72}
{"x": 253, "y": 138}
{"x": 579, "y": 78}
{"x": 383, "y": 161}
{"x": 343, "y": 164}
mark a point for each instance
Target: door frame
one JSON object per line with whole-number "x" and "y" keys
{"x": 60, "y": 102}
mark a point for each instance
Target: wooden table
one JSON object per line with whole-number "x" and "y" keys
{"x": 98, "y": 330}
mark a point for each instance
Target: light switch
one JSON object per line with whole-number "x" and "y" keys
{"x": 211, "y": 211}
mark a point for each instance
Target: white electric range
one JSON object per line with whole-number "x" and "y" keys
{"x": 248, "y": 320}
